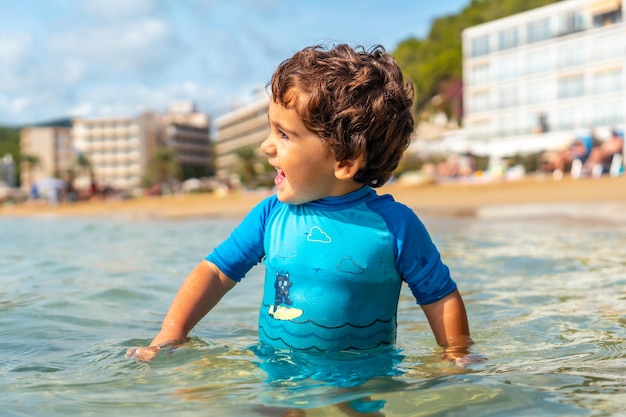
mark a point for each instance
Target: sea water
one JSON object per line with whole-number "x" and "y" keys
{"x": 545, "y": 297}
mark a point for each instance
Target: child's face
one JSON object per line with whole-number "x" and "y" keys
{"x": 305, "y": 166}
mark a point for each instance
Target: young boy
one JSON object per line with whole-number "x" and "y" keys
{"x": 335, "y": 252}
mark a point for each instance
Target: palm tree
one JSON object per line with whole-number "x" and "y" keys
{"x": 247, "y": 157}
{"x": 84, "y": 166}
{"x": 164, "y": 166}
{"x": 30, "y": 163}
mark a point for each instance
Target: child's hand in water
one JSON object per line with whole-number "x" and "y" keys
{"x": 147, "y": 353}
{"x": 142, "y": 353}
{"x": 458, "y": 353}
{"x": 461, "y": 361}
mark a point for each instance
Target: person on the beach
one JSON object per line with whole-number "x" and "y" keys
{"x": 335, "y": 252}
{"x": 561, "y": 161}
{"x": 601, "y": 156}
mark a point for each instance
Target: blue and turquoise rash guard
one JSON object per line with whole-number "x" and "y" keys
{"x": 334, "y": 268}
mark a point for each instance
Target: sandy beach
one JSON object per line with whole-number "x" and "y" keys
{"x": 601, "y": 198}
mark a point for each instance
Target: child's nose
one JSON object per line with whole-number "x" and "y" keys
{"x": 267, "y": 147}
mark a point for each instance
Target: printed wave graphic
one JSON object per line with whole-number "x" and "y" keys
{"x": 310, "y": 335}
{"x": 317, "y": 348}
{"x": 347, "y": 324}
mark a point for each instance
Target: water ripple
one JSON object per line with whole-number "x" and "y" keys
{"x": 545, "y": 300}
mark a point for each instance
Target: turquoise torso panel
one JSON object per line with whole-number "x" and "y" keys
{"x": 331, "y": 281}
{"x": 334, "y": 269}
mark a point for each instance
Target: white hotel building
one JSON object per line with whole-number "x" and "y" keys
{"x": 536, "y": 80}
{"x": 116, "y": 147}
{"x": 120, "y": 148}
{"x": 246, "y": 127}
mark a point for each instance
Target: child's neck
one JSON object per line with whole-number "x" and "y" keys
{"x": 346, "y": 188}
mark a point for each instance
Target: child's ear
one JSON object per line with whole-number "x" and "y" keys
{"x": 347, "y": 168}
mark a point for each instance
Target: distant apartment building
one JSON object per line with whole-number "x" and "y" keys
{"x": 118, "y": 149}
{"x": 242, "y": 129}
{"x": 46, "y": 152}
{"x": 186, "y": 131}
{"x": 535, "y": 80}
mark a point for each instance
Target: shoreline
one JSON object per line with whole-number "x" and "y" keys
{"x": 599, "y": 198}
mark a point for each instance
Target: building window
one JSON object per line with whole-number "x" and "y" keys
{"x": 480, "y": 45}
{"x": 539, "y": 92}
{"x": 607, "y": 81}
{"x": 479, "y": 102}
{"x": 538, "y": 31}
{"x": 609, "y": 114}
{"x": 509, "y": 67}
{"x": 609, "y": 46}
{"x": 605, "y": 12}
{"x": 480, "y": 130}
{"x": 508, "y": 97}
{"x": 572, "y": 118}
{"x": 571, "y": 54}
{"x": 571, "y": 22}
{"x": 607, "y": 19}
{"x": 538, "y": 61}
{"x": 508, "y": 125}
{"x": 570, "y": 87}
{"x": 508, "y": 39}
{"x": 479, "y": 74}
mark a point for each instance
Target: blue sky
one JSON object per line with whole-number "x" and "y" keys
{"x": 62, "y": 58}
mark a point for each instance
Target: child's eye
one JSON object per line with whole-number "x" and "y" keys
{"x": 283, "y": 135}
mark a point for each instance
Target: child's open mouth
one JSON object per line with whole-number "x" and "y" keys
{"x": 280, "y": 177}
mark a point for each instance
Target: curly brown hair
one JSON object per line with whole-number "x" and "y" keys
{"x": 356, "y": 100}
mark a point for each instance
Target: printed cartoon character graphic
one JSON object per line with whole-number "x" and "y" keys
{"x": 282, "y": 286}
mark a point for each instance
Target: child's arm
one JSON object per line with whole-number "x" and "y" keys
{"x": 200, "y": 292}
{"x": 448, "y": 321}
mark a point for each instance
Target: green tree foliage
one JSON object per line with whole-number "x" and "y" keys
{"x": 30, "y": 163}
{"x": 435, "y": 63}
{"x": 10, "y": 142}
{"x": 247, "y": 159}
{"x": 253, "y": 169}
{"x": 163, "y": 166}
{"x": 83, "y": 165}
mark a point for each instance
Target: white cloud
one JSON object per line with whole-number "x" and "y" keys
{"x": 15, "y": 61}
{"x": 18, "y": 104}
{"x": 13, "y": 106}
{"x": 97, "y": 57}
{"x": 81, "y": 109}
{"x": 14, "y": 47}
{"x": 116, "y": 9}
{"x": 116, "y": 100}
{"x": 137, "y": 45}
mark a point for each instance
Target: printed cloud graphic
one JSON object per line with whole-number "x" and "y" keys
{"x": 349, "y": 266}
{"x": 318, "y": 235}
{"x": 286, "y": 251}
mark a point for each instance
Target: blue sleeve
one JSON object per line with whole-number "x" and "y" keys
{"x": 243, "y": 249}
{"x": 417, "y": 259}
